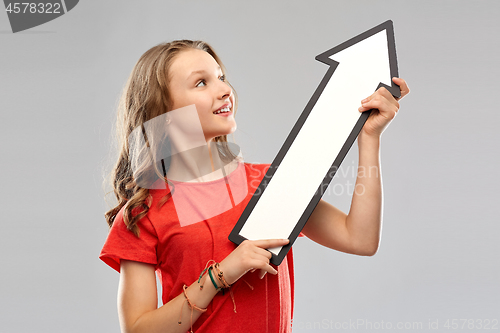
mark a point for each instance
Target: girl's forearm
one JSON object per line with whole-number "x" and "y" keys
{"x": 364, "y": 221}
{"x": 166, "y": 318}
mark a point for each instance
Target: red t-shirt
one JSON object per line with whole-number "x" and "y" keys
{"x": 179, "y": 250}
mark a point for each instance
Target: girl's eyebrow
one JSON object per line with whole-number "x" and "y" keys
{"x": 202, "y": 71}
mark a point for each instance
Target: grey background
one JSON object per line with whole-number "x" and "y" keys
{"x": 59, "y": 84}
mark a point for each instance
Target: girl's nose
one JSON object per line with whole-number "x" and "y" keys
{"x": 225, "y": 90}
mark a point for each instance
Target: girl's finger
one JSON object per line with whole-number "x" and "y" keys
{"x": 267, "y": 269}
{"x": 269, "y": 243}
{"x": 386, "y": 93}
{"x": 379, "y": 92}
{"x": 264, "y": 258}
{"x": 368, "y": 98}
{"x": 379, "y": 102}
{"x": 263, "y": 252}
{"x": 403, "y": 86}
{"x": 263, "y": 266}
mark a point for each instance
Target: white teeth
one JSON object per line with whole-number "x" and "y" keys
{"x": 226, "y": 109}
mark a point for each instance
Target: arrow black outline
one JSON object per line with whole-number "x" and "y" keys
{"x": 394, "y": 89}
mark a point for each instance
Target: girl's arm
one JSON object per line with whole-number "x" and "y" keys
{"x": 137, "y": 294}
{"x": 359, "y": 231}
{"x": 137, "y": 301}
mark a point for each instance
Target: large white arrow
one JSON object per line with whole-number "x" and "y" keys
{"x": 320, "y": 139}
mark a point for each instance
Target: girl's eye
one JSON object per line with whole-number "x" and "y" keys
{"x": 222, "y": 78}
{"x": 202, "y": 81}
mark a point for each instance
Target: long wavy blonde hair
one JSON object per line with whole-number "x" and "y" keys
{"x": 146, "y": 95}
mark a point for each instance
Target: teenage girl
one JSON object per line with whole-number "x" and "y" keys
{"x": 208, "y": 283}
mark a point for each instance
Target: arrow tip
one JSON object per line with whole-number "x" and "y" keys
{"x": 326, "y": 57}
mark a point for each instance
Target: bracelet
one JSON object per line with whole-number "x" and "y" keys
{"x": 212, "y": 278}
{"x": 201, "y": 274}
{"x": 220, "y": 276}
{"x": 191, "y": 306}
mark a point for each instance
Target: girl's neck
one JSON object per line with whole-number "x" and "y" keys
{"x": 200, "y": 164}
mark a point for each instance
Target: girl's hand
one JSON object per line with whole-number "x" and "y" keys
{"x": 385, "y": 108}
{"x": 250, "y": 255}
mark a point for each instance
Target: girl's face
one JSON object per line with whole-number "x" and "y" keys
{"x": 196, "y": 78}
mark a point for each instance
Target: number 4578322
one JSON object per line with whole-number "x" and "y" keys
{"x": 32, "y": 8}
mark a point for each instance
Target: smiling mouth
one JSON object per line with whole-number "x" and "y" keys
{"x": 223, "y": 110}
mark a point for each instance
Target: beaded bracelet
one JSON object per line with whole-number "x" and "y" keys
{"x": 220, "y": 276}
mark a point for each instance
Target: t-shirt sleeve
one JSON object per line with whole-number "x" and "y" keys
{"x": 121, "y": 243}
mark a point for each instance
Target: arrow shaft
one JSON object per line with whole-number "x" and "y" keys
{"x": 329, "y": 123}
